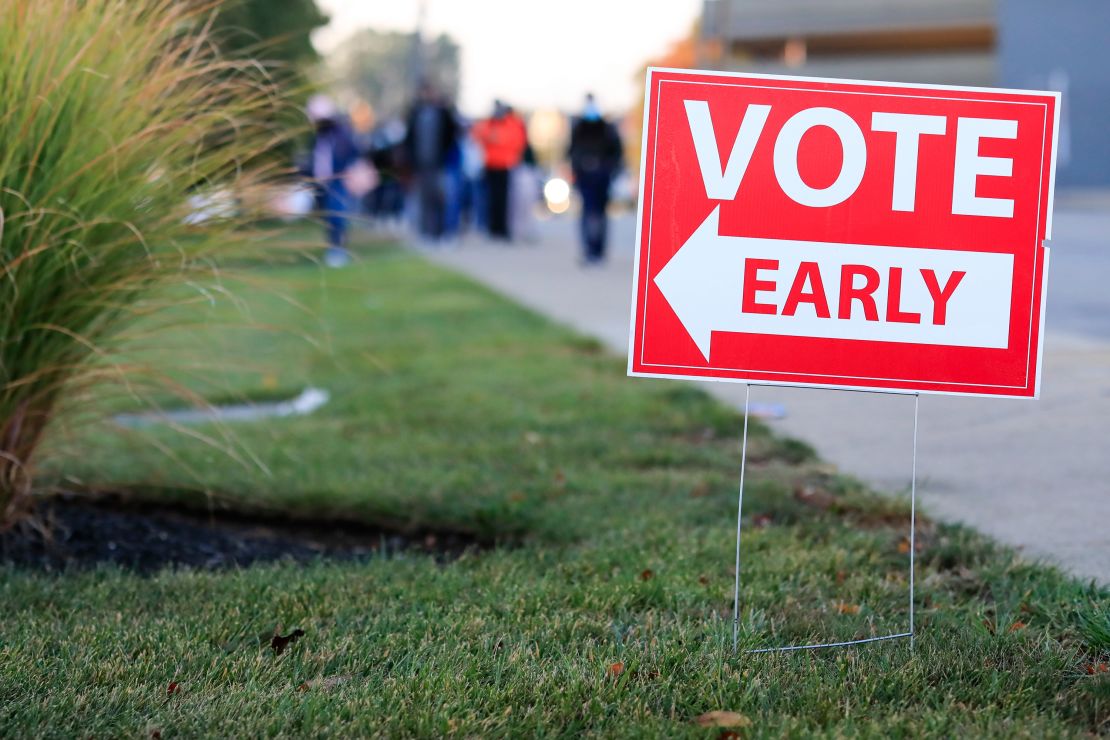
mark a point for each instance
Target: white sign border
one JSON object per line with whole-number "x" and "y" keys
{"x": 830, "y": 386}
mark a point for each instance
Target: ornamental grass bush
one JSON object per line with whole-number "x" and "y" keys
{"x": 128, "y": 147}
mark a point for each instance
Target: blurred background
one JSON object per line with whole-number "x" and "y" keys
{"x": 575, "y": 200}
{"x": 540, "y": 62}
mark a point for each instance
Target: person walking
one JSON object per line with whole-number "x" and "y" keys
{"x": 430, "y": 145}
{"x": 502, "y": 138}
{"x": 332, "y": 154}
{"x": 595, "y": 156}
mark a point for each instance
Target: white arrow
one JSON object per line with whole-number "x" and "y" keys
{"x": 703, "y": 283}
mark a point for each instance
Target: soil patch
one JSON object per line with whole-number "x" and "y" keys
{"x": 81, "y": 532}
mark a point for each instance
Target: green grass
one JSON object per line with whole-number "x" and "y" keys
{"x": 611, "y": 501}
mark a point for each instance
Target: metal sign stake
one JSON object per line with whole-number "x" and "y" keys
{"x": 739, "y": 517}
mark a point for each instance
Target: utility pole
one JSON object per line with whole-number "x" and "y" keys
{"x": 416, "y": 58}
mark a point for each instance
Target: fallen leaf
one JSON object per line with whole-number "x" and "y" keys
{"x": 840, "y": 576}
{"x": 701, "y": 490}
{"x": 173, "y": 688}
{"x": 1018, "y": 625}
{"x": 560, "y": 478}
{"x": 615, "y": 669}
{"x": 1093, "y": 668}
{"x": 703, "y": 580}
{"x": 728, "y": 735}
{"x": 719, "y": 718}
{"x": 847, "y": 608}
{"x": 647, "y": 574}
{"x": 759, "y": 521}
{"x": 156, "y": 735}
{"x": 816, "y": 497}
{"x": 279, "y": 643}
{"x": 324, "y": 684}
{"x": 903, "y": 546}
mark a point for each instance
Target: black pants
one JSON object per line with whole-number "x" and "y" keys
{"x": 432, "y": 203}
{"x": 594, "y": 189}
{"x": 497, "y": 200}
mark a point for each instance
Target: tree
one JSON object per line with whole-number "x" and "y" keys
{"x": 275, "y": 31}
{"x": 381, "y": 68}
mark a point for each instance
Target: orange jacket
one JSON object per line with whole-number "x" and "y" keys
{"x": 502, "y": 140}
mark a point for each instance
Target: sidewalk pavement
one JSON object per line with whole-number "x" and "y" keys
{"x": 1033, "y": 474}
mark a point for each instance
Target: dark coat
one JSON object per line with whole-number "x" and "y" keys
{"x": 595, "y": 148}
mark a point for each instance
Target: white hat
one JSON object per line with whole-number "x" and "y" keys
{"x": 320, "y": 108}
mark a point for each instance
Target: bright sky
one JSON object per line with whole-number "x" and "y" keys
{"x": 533, "y": 53}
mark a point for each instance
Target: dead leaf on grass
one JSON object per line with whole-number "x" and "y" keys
{"x": 173, "y": 688}
{"x": 701, "y": 490}
{"x": 844, "y": 608}
{"x": 721, "y": 718}
{"x": 647, "y": 574}
{"x": 703, "y": 580}
{"x": 1018, "y": 625}
{"x": 326, "y": 683}
{"x": 760, "y": 521}
{"x": 1093, "y": 668}
{"x": 615, "y": 669}
{"x": 816, "y": 497}
{"x": 279, "y": 643}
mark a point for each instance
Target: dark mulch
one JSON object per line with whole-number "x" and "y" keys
{"x": 81, "y": 532}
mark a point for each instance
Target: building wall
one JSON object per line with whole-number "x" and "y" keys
{"x": 1064, "y": 45}
{"x": 951, "y": 68}
{"x": 784, "y": 18}
{"x": 941, "y": 41}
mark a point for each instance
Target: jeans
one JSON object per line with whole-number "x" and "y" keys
{"x": 594, "y": 189}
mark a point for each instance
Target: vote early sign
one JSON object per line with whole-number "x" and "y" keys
{"x": 861, "y": 235}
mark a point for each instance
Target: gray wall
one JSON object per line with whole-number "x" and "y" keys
{"x": 752, "y": 19}
{"x": 1064, "y": 45}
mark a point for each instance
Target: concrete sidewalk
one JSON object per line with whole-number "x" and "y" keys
{"x": 1034, "y": 474}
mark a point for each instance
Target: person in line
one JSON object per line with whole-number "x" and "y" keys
{"x": 525, "y": 191}
{"x": 595, "y": 156}
{"x": 332, "y": 154}
{"x": 431, "y": 145}
{"x": 502, "y": 138}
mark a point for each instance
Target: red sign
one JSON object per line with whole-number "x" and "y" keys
{"x": 862, "y": 235}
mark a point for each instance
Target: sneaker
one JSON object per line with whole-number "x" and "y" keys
{"x": 337, "y": 257}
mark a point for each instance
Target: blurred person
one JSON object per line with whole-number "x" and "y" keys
{"x": 431, "y": 147}
{"x": 472, "y": 201}
{"x": 455, "y": 180}
{"x": 331, "y": 155}
{"x": 525, "y": 190}
{"x": 595, "y": 156}
{"x": 386, "y": 202}
{"x": 502, "y": 138}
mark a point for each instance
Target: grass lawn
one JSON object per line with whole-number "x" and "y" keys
{"x": 604, "y": 605}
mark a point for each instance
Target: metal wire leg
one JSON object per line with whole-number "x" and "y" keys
{"x": 739, "y": 514}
